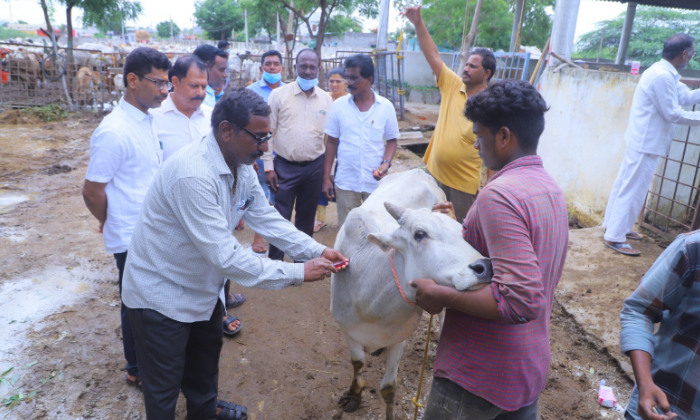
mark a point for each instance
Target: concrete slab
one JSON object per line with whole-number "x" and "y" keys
{"x": 596, "y": 281}
{"x": 412, "y": 138}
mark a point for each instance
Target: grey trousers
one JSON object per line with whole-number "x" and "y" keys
{"x": 449, "y": 401}
{"x": 346, "y": 201}
{"x": 460, "y": 200}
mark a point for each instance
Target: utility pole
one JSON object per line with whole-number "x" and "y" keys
{"x": 383, "y": 30}
{"x": 171, "y": 28}
{"x": 517, "y": 26}
{"x": 467, "y": 42}
{"x": 278, "y": 30}
{"x": 9, "y": 3}
{"x": 245, "y": 13}
{"x": 563, "y": 28}
{"x": 626, "y": 33}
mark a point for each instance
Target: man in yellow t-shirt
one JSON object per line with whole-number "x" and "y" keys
{"x": 451, "y": 158}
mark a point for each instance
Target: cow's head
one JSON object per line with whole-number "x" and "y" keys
{"x": 434, "y": 248}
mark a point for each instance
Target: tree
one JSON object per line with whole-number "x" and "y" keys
{"x": 493, "y": 30}
{"x": 164, "y": 27}
{"x": 304, "y": 10}
{"x": 652, "y": 27}
{"x": 219, "y": 17}
{"x": 107, "y": 15}
{"x": 339, "y": 24}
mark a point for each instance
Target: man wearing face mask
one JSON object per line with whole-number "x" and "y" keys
{"x": 271, "y": 68}
{"x": 297, "y": 121}
{"x": 125, "y": 157}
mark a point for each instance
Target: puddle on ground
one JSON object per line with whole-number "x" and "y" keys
{"x": 9, "y": 199}
{"x": 13, "y": 233}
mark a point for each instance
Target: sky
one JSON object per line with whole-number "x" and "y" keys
{"x": 181, "y": 11}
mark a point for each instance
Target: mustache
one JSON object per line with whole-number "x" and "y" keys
{"x": 197, "y": 98}
{"x": 258, "y": 154}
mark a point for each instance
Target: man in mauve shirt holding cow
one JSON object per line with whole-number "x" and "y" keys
{"x": 493, "y": 358}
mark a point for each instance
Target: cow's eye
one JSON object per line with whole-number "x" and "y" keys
{"x": 419, "y": 235}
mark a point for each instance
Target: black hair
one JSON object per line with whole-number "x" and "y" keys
{"x": 515, "y": 104}
{"x": 675, "y": 45}
{"x": 208, "y": 54}
{"x": 142, "y": 60}
{"x": 488, "y": 60}
{"x": 307, "y": 50}
{"x": 269, "y": 53}
{"x": 363, "y": 62}
{"x": 183, "y": 64}
{"x": 222, "y": 45}
{"x": 236, "y": 107}
{"x": 336, "y": 70}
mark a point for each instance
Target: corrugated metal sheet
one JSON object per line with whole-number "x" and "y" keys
{"x": 677, "y": 4}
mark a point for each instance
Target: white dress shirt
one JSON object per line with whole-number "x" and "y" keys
{"x": 183, "y": 247}
{"x": 124, "y": 154}
{"x": 361, "y": 138}
{"x": 656, "y": 109}
{"x": 175, "y": 130}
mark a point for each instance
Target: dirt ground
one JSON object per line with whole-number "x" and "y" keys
{"x": 59, "y": 313}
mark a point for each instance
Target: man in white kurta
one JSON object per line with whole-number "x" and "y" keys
{"x": 656, "y": 109}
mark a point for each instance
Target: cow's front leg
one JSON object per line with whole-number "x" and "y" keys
{"x": 350, "y": 401}
{"x": 389, "y": 383}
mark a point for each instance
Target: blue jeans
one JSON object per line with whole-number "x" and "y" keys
{"x": 449, "y": 401}
{"x": 263, "y": 183}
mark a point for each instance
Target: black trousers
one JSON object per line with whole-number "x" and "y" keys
{"x": 299, "y": 188}
{"x": 176, "y": 356}
{"x": 132, "y": 367}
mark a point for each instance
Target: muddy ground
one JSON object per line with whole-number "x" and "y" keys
{"x": 59, "y": 313}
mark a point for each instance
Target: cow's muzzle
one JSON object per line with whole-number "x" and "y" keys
{"x": 483, "y": 270}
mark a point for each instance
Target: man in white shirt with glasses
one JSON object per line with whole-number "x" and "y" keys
{"x": 125, "y": 156}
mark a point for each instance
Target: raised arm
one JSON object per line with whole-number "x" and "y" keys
{"x": 430, "y": 50}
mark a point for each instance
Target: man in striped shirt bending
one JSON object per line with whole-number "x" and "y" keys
{"x": 493, "y": 357}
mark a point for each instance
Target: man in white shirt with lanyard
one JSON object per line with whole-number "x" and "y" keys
{"x": 357, "y": 127}
{"x": 183, "y": 249}
{"x": 656, "y": 109}
{"x": 125, "y": 156}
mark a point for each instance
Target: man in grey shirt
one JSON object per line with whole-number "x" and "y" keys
{"x": 183, "y": 249}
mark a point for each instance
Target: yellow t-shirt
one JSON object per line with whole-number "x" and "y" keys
{"x": 451, "y": 157}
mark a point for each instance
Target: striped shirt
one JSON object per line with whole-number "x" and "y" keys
{"x": 519, "y": 220}
{"x": 668, "y": 294}
{"x": 183, "y": 247}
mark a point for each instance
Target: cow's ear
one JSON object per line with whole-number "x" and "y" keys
{"x": 382, "y": 240}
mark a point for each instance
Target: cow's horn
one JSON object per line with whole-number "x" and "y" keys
{"x": 395, "y": 211}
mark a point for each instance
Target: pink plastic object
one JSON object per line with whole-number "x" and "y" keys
{"x": 606, "y": 397}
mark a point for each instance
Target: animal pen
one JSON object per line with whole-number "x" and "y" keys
{"x": 671, "y": 206}
{"x": 76, "y": 79}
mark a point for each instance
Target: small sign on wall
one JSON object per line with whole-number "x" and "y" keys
{"x": 635, "y": 67}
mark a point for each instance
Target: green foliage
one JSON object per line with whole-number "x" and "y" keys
{"x": 108, "y": 15}
{"x": 343, "y": 23}
{"x": 47, "y": 113}
{"x": 100, "y": 36}
{"x": 219, "y": 17}
{"x": 652, "y": 27}
{"x": 21, "y": 22}
{"x": 445, "y": 21}
{"x": 164, "y": 27}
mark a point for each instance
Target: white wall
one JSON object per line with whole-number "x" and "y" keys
{"x": 583, "y": 142}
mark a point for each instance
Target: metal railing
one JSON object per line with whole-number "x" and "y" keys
{"x": 508, "y": 65}
{"x": 671, "y": 205}
{"x": 26, "y": 81}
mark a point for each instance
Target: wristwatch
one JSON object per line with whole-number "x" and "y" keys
{"x": 386, "y": 161}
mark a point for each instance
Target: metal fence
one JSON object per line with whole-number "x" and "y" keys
{"x": 88, "y": 82}
{"x": 671, "y": 206}
{"x": 508, "y": 65}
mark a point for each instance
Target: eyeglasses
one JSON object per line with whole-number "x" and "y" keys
{"x": 260, "y": 140}
{"x": 160, "y": 84}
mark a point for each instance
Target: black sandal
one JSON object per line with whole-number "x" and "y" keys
{"x": 231, "y": 411}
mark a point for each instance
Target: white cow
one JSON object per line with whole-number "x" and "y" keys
{"x": 365, "y": 299}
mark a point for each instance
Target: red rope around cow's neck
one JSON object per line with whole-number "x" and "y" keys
{"x": 396, "y": 280}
